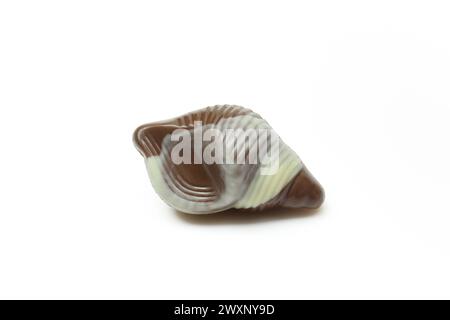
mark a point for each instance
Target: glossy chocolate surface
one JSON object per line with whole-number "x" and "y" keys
{"x": 207, "y": 188}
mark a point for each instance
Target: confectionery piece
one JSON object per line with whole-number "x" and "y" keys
{"x": 224, "y": 157}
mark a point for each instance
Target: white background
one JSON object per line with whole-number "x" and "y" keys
{"x": 360, "y": 89}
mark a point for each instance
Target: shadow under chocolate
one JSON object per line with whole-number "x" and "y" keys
{"x": 242, "y": 216}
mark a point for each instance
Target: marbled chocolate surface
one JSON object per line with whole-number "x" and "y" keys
{"x": 208, "y": 188}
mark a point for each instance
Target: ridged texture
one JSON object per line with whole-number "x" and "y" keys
{"x": 148, "y": 137}
{"x": 203, "y": 188}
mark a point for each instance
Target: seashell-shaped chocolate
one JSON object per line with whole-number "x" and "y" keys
{"x": 224, "y": 157}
